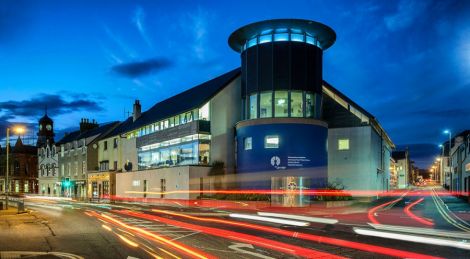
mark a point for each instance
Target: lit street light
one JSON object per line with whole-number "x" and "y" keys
{"x": 17, "y": 130}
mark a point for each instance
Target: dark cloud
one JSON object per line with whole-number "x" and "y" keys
{"x": 141, "y": 68}
{"x": 56, "y": 105}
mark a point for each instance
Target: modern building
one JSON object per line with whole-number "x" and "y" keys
{"x": 23, "y": 173}
{"x": 403, "y": 169}
{"x": 48, "y": 159}
{"x": 274, "y": 123}
{"x": 78, "y": 154}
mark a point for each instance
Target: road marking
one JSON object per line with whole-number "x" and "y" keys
{"x": 441, "y": 208}
{"x": 413, "y": 238}
{"x": 194, "y": 233}
{"x": 238, "y": 247}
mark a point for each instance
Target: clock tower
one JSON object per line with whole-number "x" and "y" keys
{"x": 46, "y": 131}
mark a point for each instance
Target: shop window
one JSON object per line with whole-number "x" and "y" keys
{"x": 253, "y": 106}
{"x": 266, "y": 105}
{"x": 247, "y": 143}
{"x": 296, "y": 107}
{"x": 271, "y": 142}
{"x": 343, "y": 144}
{"x": 280, "y": 104}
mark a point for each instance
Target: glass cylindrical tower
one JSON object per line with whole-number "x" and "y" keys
{"x": 281, "y": 80}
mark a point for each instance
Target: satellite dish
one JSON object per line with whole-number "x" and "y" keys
{"x": 128, "y": 166}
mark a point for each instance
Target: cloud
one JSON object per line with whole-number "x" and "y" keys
{"x": 141, "y": 68}
{"x": 119, "y": 42}
{"x": 56, "y": 105}
{"x": 138, "y": 20}
{"x": 12, "y": 112}
{"x": 406, "y": 14}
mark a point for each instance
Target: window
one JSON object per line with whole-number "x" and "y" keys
{"x": 266, "y": 105}
{"x": 343, "y": 144}
{"x": 115, "y": 141}
{"x": 105, "y": 147}
{"x": 83, "y": 167}
{"x": 76, "y": 168}
{"x": 271, "y": 142}
{"x": 309, "y": 105}
{"x": 204, "y": 112}
{"x": 280, "y": 104}
{"x": 253, "y": 106}
{"x": 115, "y": 166}
{"x": 296, "y": 107}
{"x": 247, "y": 142}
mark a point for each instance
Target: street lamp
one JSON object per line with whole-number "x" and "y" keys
{"x": 17, "y": 130}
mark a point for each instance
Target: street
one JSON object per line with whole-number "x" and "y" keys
{"x": 415, "y": 224}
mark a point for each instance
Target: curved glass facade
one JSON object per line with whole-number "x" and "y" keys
{"x": 282, "y": 34}
{"x": 282, "y": 104}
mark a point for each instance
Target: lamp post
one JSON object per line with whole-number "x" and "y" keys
{"x": 18, "y": 130}
{"x": 450, "y": 160}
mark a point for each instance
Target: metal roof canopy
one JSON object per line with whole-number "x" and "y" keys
{"x": 324, "y": 34}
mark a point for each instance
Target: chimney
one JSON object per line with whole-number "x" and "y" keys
{"x": 137, "y": 110}
{"x": 85, "y": 124}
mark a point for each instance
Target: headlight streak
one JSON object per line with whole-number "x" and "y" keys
{"x": 107, "y": 228}
{"x": 127, "y": 241}
{"x": 176, "y": 245}
{"x": 271, "y": 220}
{"x": 413, "y": 238}
{"x": 315, "y": 238}
{"x": 408, "y": 212}
{"x": 258, "y": 241}
{"x": 371, "y": 212}
{"x": 304, "y": 218}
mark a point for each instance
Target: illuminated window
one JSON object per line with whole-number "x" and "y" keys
{"x": 271, "y": 142}
{"x": 297, "y": 37}
{"x": 247, "y": 142}
{"x": 281, "y": 37}
{"x": 265, "y": 38}
{"x": 204, "y": 112}
{"x": 296, "y": 107}
{"x": 266, "y": 105}
{"x": 309, "y": 105}
{"x": 253, "y": 106}
{"x": 343, "y": 144}
{"x": 280, "y": 104}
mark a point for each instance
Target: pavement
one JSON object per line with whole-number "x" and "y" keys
{"x": 420, "y": 223}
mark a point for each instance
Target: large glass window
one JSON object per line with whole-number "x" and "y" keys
{"x": 253, "y": 106}
{"x": 189, "y": 150}
{"x": 309, "y": 105}
{"x": 271, "y": 141}
{"x": 280, "y": 104}
{"x": 266, "y": 105}
{"x": 296, "y": 104}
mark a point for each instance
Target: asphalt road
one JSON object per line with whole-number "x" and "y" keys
{"x": 414, "y": 224}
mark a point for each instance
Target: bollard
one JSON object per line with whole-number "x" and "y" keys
{"x": 20, "y": 206}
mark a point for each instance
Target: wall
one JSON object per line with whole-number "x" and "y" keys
{"x": 177, "y": 179}
{"x": 225, "y": 112}
{"x": 358, "y": 167}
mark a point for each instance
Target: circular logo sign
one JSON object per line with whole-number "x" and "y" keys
{"x": 275, "y": 161}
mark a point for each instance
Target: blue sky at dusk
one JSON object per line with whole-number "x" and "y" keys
{"x": 406, "y": 62}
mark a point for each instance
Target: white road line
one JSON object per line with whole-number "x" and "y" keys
{"x": 271, "y": 220}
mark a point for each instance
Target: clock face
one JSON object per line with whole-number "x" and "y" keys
{"x": 40, "y": 126}
{"x": 48, "y": 127}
